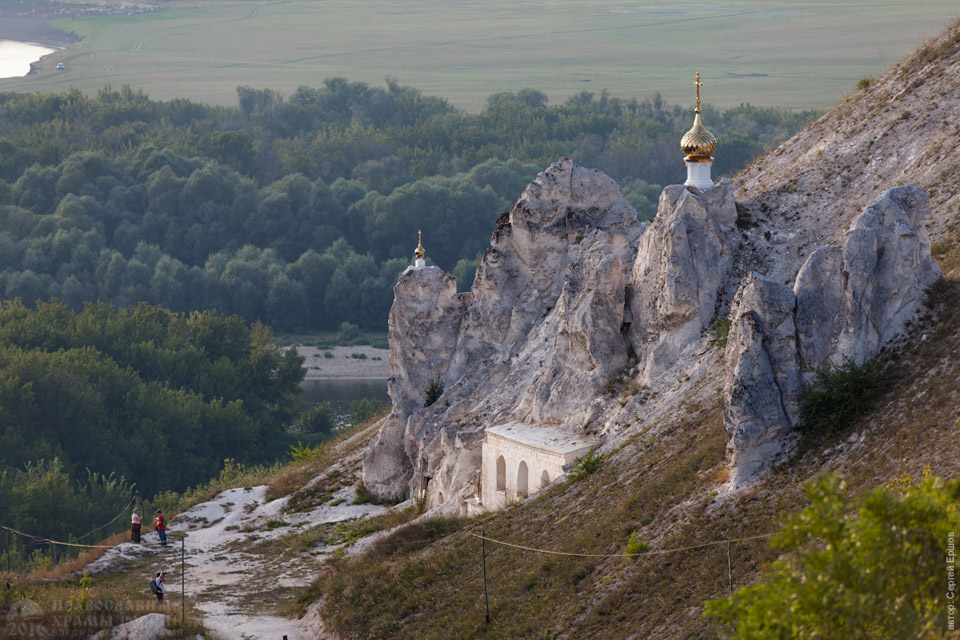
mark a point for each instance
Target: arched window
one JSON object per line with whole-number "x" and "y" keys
{"x": 522, "y": 480}
{"x": 544, "y": 479}
{"x": 501, "y": 474}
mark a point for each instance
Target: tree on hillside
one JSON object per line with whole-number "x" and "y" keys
{"x": 875, "y": 573}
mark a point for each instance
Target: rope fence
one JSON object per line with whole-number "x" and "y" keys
{"x": 57, "y": 542}
{"x": 104, "y": 526}
{"x": 659, "y": 552}
{"x": 623, "y": 555}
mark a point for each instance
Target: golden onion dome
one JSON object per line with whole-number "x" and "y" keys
{"x": 419, "y": 252}
{"x": 698, "y": 144}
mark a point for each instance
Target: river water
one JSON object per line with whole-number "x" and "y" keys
{"x": 15, "y": 57}
{"x": 341, "y": 392}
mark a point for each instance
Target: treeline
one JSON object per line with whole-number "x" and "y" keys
{"x": 98, "y": 404}
{"x": 302, "y": 211}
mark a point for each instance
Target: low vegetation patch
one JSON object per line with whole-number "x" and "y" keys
{"x": 79, "y": 607}
{"x": 587, "y": 465}
{"x": 719, "y": 332}
{"x": 839, "y": 396}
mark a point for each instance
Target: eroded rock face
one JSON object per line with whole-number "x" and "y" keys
{"x": 681, "y": 261}
{"x": 522, "y": 271}
{"x": 762, "y": 375}
{"x": 847, "y": 302}
{"x": 583, "y": 333}
{"x": 854, "y": 299}
{"x": 537, "y": 335}
{"x": 152, "y": 626}
{"x": 423, "y": 327}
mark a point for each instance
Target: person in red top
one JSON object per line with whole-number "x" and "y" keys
{"x": 162, "y": 528}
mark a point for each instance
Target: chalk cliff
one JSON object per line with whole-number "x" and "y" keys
{"x": 847, "y": 302}
{"x": 574, "y": 295}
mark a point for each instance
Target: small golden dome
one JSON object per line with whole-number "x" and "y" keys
{"x": 419, "y": 252}
{"x": 698, "y": 144}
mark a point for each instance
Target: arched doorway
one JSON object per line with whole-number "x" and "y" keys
{"x": 544, "y": 479}
{"x": 501, "y": 474}
{"x": 522, "y": 489}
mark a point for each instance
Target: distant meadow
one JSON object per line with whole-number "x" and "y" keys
{"x": 796, "y": 55}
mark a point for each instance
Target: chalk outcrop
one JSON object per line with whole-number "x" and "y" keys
{"x": 535, "y": 339}
{"x": 681, "y": 262}
{"x": 570, "y": 283}
{"x": 853, "y": 299}
{"x": 848, "y": 301}
{"x": 423, "y": 326}
{"x": 152, "y": 626}
{"x": 762, "y": 375}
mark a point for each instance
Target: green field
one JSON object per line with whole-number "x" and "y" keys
{"x": 798, "y": 54}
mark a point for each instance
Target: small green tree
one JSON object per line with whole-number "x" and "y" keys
{"x": 365, "y": 409}
{"x": 349, "y": 332}
{"x": 434, "y": 391}
{"x": 318, "y": 419}
{"x": 878, "y": 572}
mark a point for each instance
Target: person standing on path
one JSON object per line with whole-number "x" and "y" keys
{"x": 160, "y": 587}
{"x": 135, "y": 526}
{"x": 162, "y": 528}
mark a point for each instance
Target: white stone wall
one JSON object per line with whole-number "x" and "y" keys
{"x": 538, "y": 460}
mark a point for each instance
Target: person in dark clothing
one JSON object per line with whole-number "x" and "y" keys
{"x": 160, "y": 587}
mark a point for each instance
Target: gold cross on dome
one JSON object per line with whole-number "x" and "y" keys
{"x": 698, "y": 84}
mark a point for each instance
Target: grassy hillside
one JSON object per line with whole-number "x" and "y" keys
{"x": 797, "y": 55}
{"x": 662, "y": 484}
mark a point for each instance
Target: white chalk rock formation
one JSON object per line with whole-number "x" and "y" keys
{"x": 423, "y": 326}
{"x": 536, "y": 337}
{"x": 581, "y": 346}
{"x": 851, "y": 300}
{"x": 680, "y": 265}
{"x": 152, "y": 626}
{"x": 762, "y": 375}
{"x": 847, "y": 302}
{"x": 523, "y": 270}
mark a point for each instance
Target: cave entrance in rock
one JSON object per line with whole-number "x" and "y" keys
{"x": 522, "y": 473}
{"x": 544, "y": 479}
{"x": 501, "y": 474}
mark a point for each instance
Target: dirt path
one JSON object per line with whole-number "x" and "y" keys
{"x": 244, "y": 562}
{"x": 107, "y": 67}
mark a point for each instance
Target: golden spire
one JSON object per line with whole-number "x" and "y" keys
{"x": 419, "y": 252}
{"x": 698, "y": 84}
{"x": 698, "y": 144}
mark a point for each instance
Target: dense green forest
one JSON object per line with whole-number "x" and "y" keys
{"x": 301, "y": 211}
{"x": 99, "y": 405}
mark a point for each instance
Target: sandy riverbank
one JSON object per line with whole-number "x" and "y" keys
{"x": 34, "y": 30}
{"x": 341, "y": 364}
